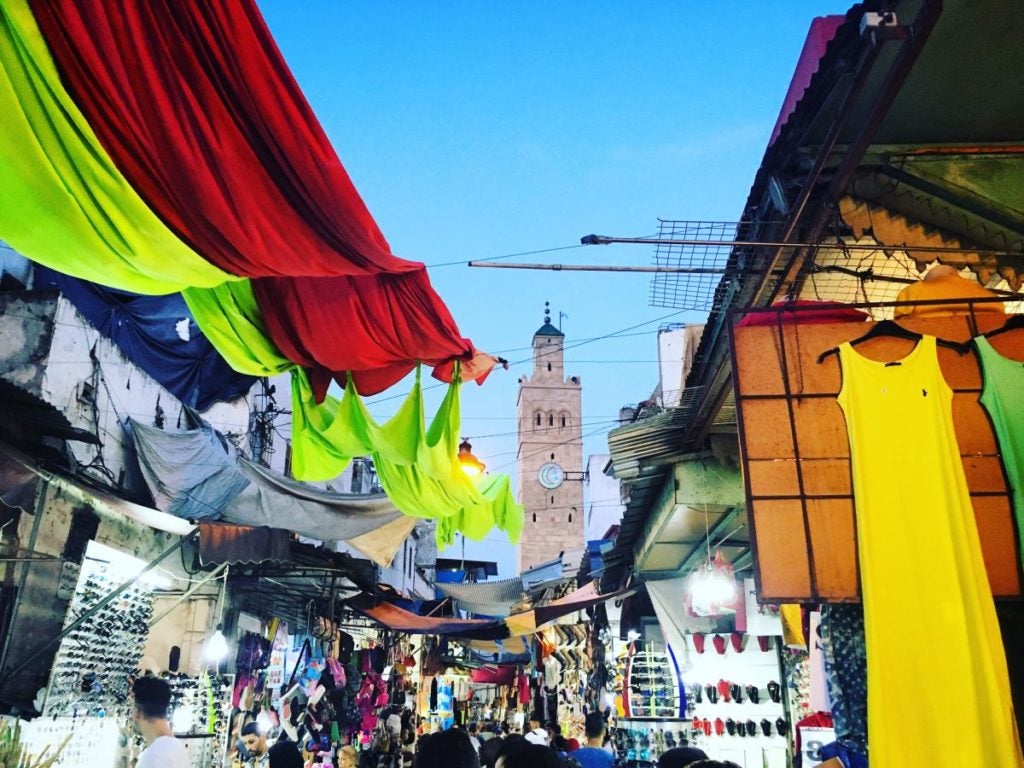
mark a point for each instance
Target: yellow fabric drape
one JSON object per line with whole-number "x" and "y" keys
{"x": 938, "y": 687}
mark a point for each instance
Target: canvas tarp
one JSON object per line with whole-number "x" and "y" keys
{"x": 195, "y": 474}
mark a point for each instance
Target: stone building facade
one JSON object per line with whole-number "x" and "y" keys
{"x": 550, "y": 453}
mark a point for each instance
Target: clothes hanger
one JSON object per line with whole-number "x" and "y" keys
{"x": 1014, "y": 323}
{"x": 892, "y": 329}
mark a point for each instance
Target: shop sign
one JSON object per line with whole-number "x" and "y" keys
{"x": 811, "y": 740}
{"x": 68, "y": 581}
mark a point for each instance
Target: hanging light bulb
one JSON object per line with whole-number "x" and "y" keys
{"x": 216, "y": 647}
{"x": 471, "y": 465}
{"x": 713, "y": 587}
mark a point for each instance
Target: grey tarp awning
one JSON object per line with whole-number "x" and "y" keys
{"x": 195, "y": 474}
{"x": 489, "y": 598}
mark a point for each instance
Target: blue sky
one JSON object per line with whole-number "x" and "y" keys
{"x": 479, "y": 129}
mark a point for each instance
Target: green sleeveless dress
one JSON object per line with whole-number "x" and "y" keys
{"x": 1002, "y": 395}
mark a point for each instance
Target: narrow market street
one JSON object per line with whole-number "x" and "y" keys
{"x": 426, "y": 459}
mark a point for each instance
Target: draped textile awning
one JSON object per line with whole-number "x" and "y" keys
{"x": 158, "y": 334}
{"x": 516, "y": 625}
{"x": 194, "y": 474}
{"x": 488, "y": 598}
{"x": 400, "y": 620}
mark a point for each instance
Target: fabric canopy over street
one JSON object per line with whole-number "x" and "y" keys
{"x": 516, "y": 625}
{"x": 160, "y": 148}
{"x": 158, "y": 334}
{"x": 489, "y": 598}
{"x": 401, "y": 620}
{"x": 195, "y": 474}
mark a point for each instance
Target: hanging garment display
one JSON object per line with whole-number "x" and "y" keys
{"x": 842, "y": 640}
{"x": 922, "y": 573}
{"x": 1002, "y": 395}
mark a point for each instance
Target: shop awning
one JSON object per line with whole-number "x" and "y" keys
{"x": 195, "y": 474}
{"x": 19, "y": 473}
{"x": 491, "y": 598}
{"x": 400, "y": 620}
{"x": 237, "y": 544}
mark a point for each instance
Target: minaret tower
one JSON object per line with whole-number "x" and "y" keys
{"x": 550, "y": 453}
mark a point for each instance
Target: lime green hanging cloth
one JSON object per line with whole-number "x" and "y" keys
{"x": 416, "y": 465}
{"x": 63, "y": 203}
{"x": 230, "y": 318}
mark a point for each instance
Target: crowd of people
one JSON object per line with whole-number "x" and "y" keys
{"x": 540, "y": 746}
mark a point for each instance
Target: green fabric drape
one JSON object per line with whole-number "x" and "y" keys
{"x": 416, "y": 465}
{"x": 230, "y": 318}
{"x": 63, "y": 202}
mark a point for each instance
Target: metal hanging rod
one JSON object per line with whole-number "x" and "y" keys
{"x": 607, "y": 268}
{"x": 602, "y": 240}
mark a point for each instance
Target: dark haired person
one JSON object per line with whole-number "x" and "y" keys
{"x": 256, "y": 745}
{"x": 594, "y": 755}
{"x": 681, "y": 757}
{"x": 152, "y": 700}
{"x": 448, "y": 749}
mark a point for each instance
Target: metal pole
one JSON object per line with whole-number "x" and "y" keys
{"x": 191, "y": 591}
{"x": 99, "y": 606}
{"x": 602, "y": 240}
{"x": 606, "y": 268}
{"x": 37, "y": 517}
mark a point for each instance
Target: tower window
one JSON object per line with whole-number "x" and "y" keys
{"x": 535, "y": 517}
{"x": 551, "y": 420}
{"x": 552, "y": 499}
{"x": 537, "y": 419}
{"x": 563, "y": 421}
{"x": 549, "y": 366}
{"x": 570, "y": 517}
{"x": 552, "y": 457}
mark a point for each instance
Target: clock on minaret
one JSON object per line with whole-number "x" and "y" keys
{"x": 549, "y": 453}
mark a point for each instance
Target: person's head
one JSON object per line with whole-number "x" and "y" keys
{"x": 348, "y": 757}
{"x": 714, "y": 764}
{"x": 681, "y": 757}
{"x": 489, "y": 751}
{"x": 534, "y": 723}
{"x": 526, "y": 755}
{"x": 448, "y": 749}
{"x": 559, "y": 743}
{"x": 473, "y": 728}
{"x": 253, "y": 738}
{"x": 551, "y": 728}
{"x": 284, "y": 754}
{"x": 152, "y": 697}
{"x": 594, "y": 727}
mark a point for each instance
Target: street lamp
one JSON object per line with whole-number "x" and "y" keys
{"x": 471, "y": 465}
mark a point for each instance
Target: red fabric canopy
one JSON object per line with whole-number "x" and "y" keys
{"x": 376, "y": 327}
{"x": 196, "y": 106}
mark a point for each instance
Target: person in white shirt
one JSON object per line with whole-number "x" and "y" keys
{"x": 473, "y": 733}
{"x": 152, "y": 700}
{"x": 536, "y": 734}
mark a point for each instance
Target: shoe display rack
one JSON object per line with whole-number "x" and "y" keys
{"x": 94, "y": 664}
{"x": 735, "y": 696}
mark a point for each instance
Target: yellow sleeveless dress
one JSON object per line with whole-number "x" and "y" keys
{"x": 938, "y": 689}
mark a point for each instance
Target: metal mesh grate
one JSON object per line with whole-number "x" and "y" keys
{"x": 694, "y": 290}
